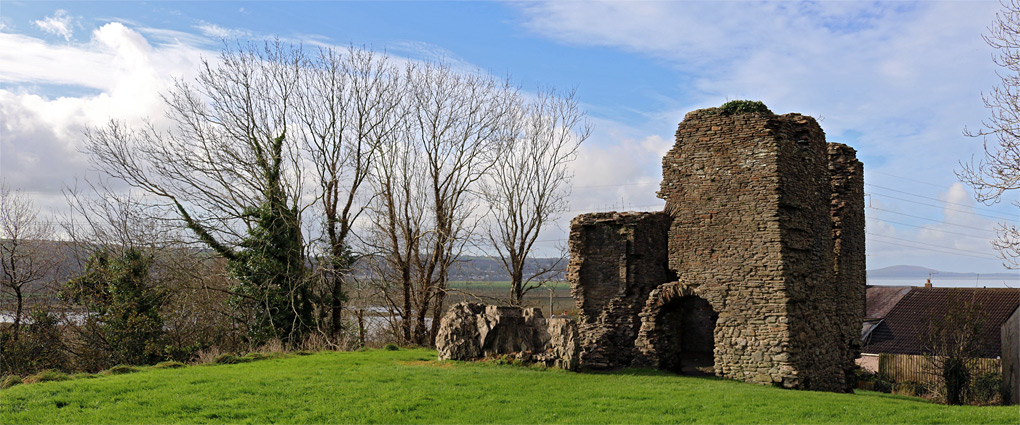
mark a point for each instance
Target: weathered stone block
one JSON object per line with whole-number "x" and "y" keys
{"x": 472, "y": 331}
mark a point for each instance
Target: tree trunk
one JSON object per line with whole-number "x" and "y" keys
{"x": 337, "y": 303}
{"x": 17, "y": 315}
{"x": 406, "y": 314}
{"x": 361, "y": 327}
{"x": 517, "y": 286}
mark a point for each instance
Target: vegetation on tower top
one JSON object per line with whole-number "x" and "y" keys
{"x": 744, "y": 107}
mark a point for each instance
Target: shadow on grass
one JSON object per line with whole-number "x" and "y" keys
{"x": 887, "y": 396}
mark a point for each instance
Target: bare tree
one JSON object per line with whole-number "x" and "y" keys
{"x": 998, "y": 173}
{"x": 398, "y": 227}
{"x": 454, "y": 128}
{"x": 528, "y": 185}
{"x": 101, "y": 217}
{"x": 27, "y": 255}
{"x": 460, "y": 121}
{"x": 348, "y": 105}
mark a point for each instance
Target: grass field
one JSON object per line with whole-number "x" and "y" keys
{"x": 409, "y": 386}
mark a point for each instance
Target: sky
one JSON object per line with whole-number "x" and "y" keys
{"x": 898, "y": 81}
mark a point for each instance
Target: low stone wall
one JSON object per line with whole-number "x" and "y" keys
{"x": 472, "y": 331}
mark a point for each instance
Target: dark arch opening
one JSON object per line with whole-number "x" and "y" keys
{"x": 688, "y": 336}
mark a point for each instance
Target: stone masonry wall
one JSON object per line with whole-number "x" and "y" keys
{"x": 616, "y": 259}
{"x": 816, "y": 339}
{"x": 722, "y": 188}
{"x": 847, "y": 209}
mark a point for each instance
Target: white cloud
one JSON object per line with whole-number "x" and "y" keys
{"x": 213, "y": 30}
{"x": 617, "y": 169}
{"x": 59, "y": 24}
{"x": 958, "y": 212}
{"x": 41, "y": 145}
{"x": 877, "y": 69}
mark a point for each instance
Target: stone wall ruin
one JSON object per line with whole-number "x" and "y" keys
{"x": 760, "y": 274}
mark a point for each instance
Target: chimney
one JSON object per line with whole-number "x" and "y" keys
{"x": 928, "y": 283}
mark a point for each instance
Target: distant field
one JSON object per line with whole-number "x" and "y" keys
{"x": 505, "y": 285}
{"x": 498, "y": 292}
{"x": 409, "y": 386}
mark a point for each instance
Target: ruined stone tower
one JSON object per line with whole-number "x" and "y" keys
{"x": 754, "y": 271}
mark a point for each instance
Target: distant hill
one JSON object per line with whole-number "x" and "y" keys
{"x": 916, "y": 272}
{"x": 467, "y": 268}
{"x": 489, "y": 269}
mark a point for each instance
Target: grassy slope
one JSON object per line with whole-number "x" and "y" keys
{"x": 408, "y": 386}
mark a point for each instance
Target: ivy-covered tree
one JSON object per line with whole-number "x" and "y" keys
{"x": 230, "y": 171}
{"x": 123, "y": 307}
{"x": 270, "y": 269}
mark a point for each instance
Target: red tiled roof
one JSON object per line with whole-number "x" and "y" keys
{"x": 881, "y": 299}
{"x": 901, "y": 330}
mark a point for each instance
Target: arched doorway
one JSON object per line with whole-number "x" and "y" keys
{"x": 678, "y": 331}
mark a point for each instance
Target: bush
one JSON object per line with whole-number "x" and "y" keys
{"x": 125, "y": 305}
{"x": 39, "y": 347}
{"x": 987, "y": 388}
{"x": 169, "y": 364}
{"x": 46, "y": 376}
{"x": 227, "y": 358}
{"x": 121, "y": 369}
{"x": 207, "y": 356}
{"x": 10, "y": 381}
{"x": 273, "y": 346}
{"x": 391, "y": 347}
{"x": 258, "y": 356}
{"x": 883, "y": 386}
{"x": 880, "y": 383}
{"x": 744, "y": 107}
{"x": 910, "y": 389}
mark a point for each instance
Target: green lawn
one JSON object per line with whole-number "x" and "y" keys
{"x": 408, "y": 386}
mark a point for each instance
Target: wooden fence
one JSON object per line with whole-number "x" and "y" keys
{"x": 911, "y": 368}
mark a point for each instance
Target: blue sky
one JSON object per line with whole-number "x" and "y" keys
{"x": 898, "y": 81}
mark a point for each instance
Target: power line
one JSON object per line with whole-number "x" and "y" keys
{"x": 929, "y": 219}
{"x": 941, "y": 206}
{"x": 906, "y": 178}
{"x": 927, "y": 197}
{"x": 926, "y": 244}
{"x": 929, "y": 228}
{"x": 933, "y": 250}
